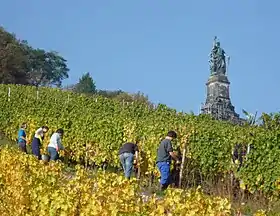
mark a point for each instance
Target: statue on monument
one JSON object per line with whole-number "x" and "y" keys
{"x": 217, "y": 61}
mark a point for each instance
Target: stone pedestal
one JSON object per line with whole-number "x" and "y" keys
{"x": 218, "y": 102}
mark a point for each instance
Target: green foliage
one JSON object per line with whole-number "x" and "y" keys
{"x": 46, "y": 68}
{"x": 109, "y": 94}
{"x": 125, "y": 97}
{"x": 13, "y": 61}
{"x": 97, "y": 127}
{"x": 22, "y": 64}
{"x": 270, "y": 121}
{"x": 85, "y": 85}
{"x": 251, "y": 119}
{"x": 138, "y": 97}
{"x": 262, "y": 168}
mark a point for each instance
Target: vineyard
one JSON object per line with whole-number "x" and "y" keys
{"x": 96, "y": 127}
{"x": 29, "y": 187}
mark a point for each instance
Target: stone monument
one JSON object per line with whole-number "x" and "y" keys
{"x": 218, "y": 103}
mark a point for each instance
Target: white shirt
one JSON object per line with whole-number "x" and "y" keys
{"x": 55, "y": 142}
{"x": 39, "y": 132}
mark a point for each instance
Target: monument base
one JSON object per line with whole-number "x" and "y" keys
{"x": 218, "y": 103}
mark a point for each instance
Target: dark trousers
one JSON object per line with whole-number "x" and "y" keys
{"x": 22, "y": 147}
{"x": 36, "y": 148}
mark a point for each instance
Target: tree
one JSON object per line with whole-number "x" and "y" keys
{"x": 136, "y": 97}
{"x": 140, "y": 97}
{"x": 22, "y": 64}
{"x": 45, "y": 68}
{"x": 69, "y": 87}
{"x": 122, "y": 96}
{"x": 251, "y": 119}
{"x": 109, "y": 94}
{"x": 85, "y": 85}
{"x": 270, "y": 121}
{"x": 13, "y": 61}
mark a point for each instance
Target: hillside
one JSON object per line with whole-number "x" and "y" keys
{"x": 47, "y": 190}
{"x": 96, "y": 127}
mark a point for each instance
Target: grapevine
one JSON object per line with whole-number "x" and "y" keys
{"x": 102, "y": 125}
{"x": 30, "y": 187}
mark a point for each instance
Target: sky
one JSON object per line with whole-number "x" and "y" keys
{"x": 159, "y": 47}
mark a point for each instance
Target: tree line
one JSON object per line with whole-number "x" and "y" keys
{"x": 86, "y": 85}
{"x": 20, "y": 63}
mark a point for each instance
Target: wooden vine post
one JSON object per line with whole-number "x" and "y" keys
{"x": 182, "y": 166}
{"x": 9, "y": 94}
{"x": 139, "y": 163}
{"x": 86, "y": 158}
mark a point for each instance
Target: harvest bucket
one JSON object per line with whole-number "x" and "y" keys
{"x": 45, "y": 157}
